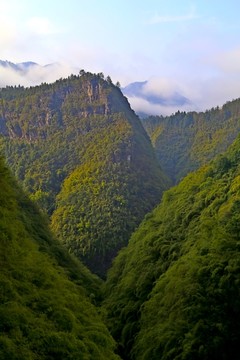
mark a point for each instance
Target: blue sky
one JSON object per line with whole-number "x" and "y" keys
{"x": 192, "y": 47}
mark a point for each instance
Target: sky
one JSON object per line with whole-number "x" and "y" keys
{"x": 188, "y": 47}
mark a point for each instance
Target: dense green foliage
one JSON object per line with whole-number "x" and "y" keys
{"x": 103, "y": 200}
{"x": 174, "y": 292}
{"x": 84, "y": 157}
{"x": 45, "y": 311}
{"x": 186, "y": 141}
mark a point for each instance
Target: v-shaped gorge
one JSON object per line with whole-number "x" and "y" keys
{"x": 173, "y": 292}
{"x": 83, "y": 155}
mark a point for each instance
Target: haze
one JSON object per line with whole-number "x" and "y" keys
{"x": 187, "y": 47}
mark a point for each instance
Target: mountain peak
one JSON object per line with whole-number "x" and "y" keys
{"x": 145, "y": 96}
{"x": 23, "y": 66}
{"x": 85, "y": 152}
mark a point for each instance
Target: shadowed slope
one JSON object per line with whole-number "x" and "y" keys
{"x": 45, "y": 312}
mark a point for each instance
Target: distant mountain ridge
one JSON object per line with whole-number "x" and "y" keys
{"x": 186, "y": 141}
{"x": 156, "y": 96}
{"x": 137, "y": 89}
{"x": 21, "y": 67}
{"x": 144, "y": 98}
{"x": 30, "y": 73}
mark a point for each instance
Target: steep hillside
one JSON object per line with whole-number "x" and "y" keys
{"x": 173, "y": 292}
{"x": 83, "y": 155}
{"x": 186, "y": 141}
{"x": 45, "y": 311}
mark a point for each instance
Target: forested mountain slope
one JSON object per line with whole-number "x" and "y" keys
{"x": 186, "y": 141}
{"x": 83, "y": 155}
{"x": 173, "y": 292}
{"x": 45, "y": 311}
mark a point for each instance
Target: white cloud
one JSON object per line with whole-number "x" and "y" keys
{"x": 157, "y": 19}
{"x": 228, "y": 61}
{"x": 216, "y": 91}
{"x": 10, "y": 77}
{"x": 34, "y": 75}
{"x": 41, "y": 26}
{"x": 202, "y": 94}
{"x": 7, "y": 34}
{"x": 140, "y": 105}
{"x": 160, "y": 19}
{"x": 160, "y": 86}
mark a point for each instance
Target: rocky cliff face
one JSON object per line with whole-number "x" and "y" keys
{"x": 26, "y": 116}
{"x": 85, "y": 158}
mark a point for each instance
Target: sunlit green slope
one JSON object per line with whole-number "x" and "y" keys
{"x": 186, "y": 141}
{"x": 174, "y": 292}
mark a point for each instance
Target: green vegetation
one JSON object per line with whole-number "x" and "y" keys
{"x": 45, "y": 311}
{"x": 186, "y": 141}
{"x": 104, "y": 199}
{"x": 83, "y": 156}
{"x": 173, "y": 293}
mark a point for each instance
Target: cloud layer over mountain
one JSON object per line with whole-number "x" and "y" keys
{"x": 30, "y": 73}
{"x": 155, "y": 96}
{"x": 165, "y": 96}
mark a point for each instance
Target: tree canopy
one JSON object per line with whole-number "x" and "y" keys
{"x": 173, "y": 293}
{"x": 186, "y": 141}
{"x": 85, "y": 159}
{"x": 45, "y": 306}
